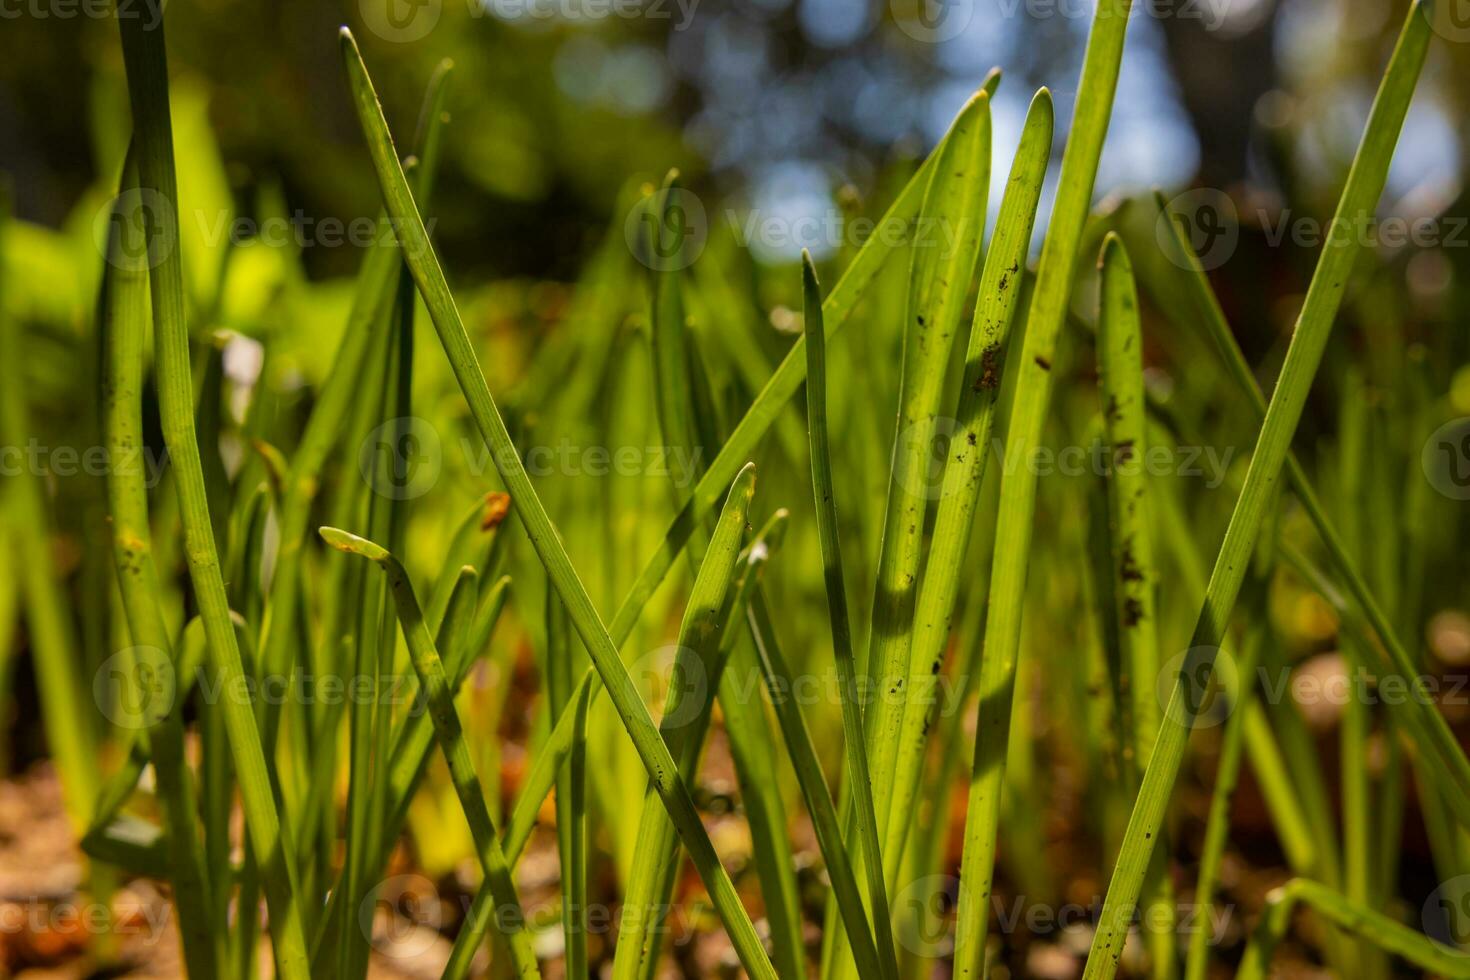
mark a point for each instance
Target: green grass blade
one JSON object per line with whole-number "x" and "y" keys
{"x": 1364, "y": 186}
{"x": 1018, "y": 486}
{"x": 1425, "y": 725}
{"x": 1134, "y": 573}
{"x": 634, "y": 714}
{"x": 854, "y": 740}
{"x": 683, "y": 727}
{"x": 964, "y": 472}
{"x": 939, "y": 281}
{"x": 126, "y": 331}
{"x": 144, "y": 58}
{"x": 430, "y": 670}
{"x": 841, "y": 867}
{"x": 1351, "y": 917}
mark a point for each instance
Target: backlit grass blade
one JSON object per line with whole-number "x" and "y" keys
{"x": 543, "y": 536}
{"x": 1364, "y": 186}
{"x": 125, "y": 329}
{"x": 969, "y": 451}
{"x": 1217, "y": 824}
{"x": 943, "y": 267}
{"x": 571, "y": 792}
{"x": 1351, "y": 917}
{"x": 430, "y": 670}
{"x": 685, "y": 719}
{"x": 841, "y": 868}
{"x": 327, "y": 423}
{"x": 1422, "y": 722}
{"x": 524, "y": 817}
{"x": 1018, "y": 484}
{"x": 752, "y": 427}
{"x": 1134, "y": 573}
{"x": 854, "y": 742}
{"x": 147, "y": 72}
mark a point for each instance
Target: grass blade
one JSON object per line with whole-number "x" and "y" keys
{"x": 1018, "y": 486}
{"x": 126, "y": 331}
{"x": 683, "y": 728}
{"x": 144, "y": 58}
{"x": 939, "y": 280}
{"x": 1364, "y": 186}
{"x": 1134, "y": 574}
{"x": 964, "y": 472}
{"x": 510, "y": 920}
{"x": 1351, "y": 917}
{"x": 854, "y": 741}
{"x": 634, "y": 714}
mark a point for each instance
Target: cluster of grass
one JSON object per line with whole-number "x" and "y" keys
{"x": 922, "y": 559}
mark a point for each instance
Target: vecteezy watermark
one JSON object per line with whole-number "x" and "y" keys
{"x": 402, "y": 916}
{"x": 923, "y": 911}
{"x": 413, "y": 916}
{"x": 39, "y": 459}
{"x": 149, "y": 11}
{"x": 1445, "y": 915}
{"x": 1210, "y": 464}
{"x": 406, "y": 21}
{"x": 404, "y": 458}
{"x": 137, "y": 687}
{"x": 1445, "y": 459}
{"x": 1208, "y": 683}
{"x": 1450, "y": 19}
{"x": 41, "y": 916}
{"x": 136, "y": 230}
{"x": 667, "y": 231}
{"x": 937, "y": 21}
{"x": 1210, "y": 223}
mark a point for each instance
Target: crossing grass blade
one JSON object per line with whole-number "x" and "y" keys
{"x": 1324, "y": 296}
{"x": 1425, "y": 725}
{"x": 685, "y": 719}
{"x": 147, "y": 73}
{"x": 634, "y": 714}
{"x": 1350, "y": 916}
{"x": 509, "y": 918}
{"x": 942, "y": 268}
{"x": 854, "y": 740}
{"x": 1018, "y": 485}
{"x": 964, "y": 471}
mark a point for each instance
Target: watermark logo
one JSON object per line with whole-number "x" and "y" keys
{"x": 400, "y": 21}
{"x": 921, "y": 913}
{"x": 676, "y": 677}
{"x": 932, "y": 21}
{"x": 413, "y": 916}
{"x": 669, "y": 240}
{"x": 135, "y": 231}
{"x": 1207, "y": 220}
{"x": 135, "y": 688}
{"x": 1446, "y": 912}
{"x": 1450, "y": 19}
{"x": 402, "y": 458}
{"x": 1445, "y": 459}
{"x": 1209, "y": 684}
{"x": 932, "y": 441}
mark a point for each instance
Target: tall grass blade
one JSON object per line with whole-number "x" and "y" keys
{"x": 509, "y": 918}
{"x": 1324, "y": 296}
{"x": 145, "y": 61}
{"x": 854, "y": 741}
{"x": 1018, "y": 484}
{"x": 634, "y": 714}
